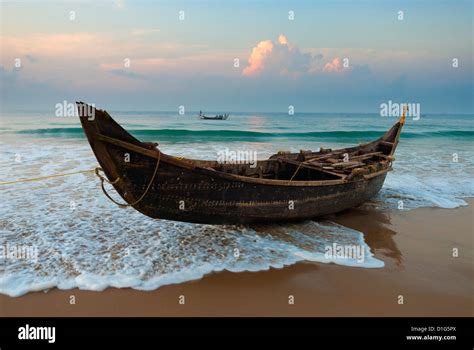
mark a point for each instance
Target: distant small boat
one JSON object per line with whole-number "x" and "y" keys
{"x": 285, "y": 187}
{"x": 216, "y": 117}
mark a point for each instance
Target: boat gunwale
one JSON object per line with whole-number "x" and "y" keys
{"x": 185, "y": 163}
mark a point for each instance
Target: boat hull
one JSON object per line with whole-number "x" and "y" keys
{"x": 203, "y": 198}
{"x": 165, "y": 187}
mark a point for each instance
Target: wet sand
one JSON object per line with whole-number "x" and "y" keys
{"x": 416, "y": 246}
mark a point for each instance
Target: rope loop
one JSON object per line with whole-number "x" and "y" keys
{"x": 114, "y": 182}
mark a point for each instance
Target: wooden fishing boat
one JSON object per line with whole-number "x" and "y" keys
{"x": 216, "y": 117}
{"x": 285, "y": 187}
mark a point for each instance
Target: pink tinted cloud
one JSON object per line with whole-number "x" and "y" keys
{"x": 334, "y": 66}
{"x": 280, "y": 58}
{"x": 180, "y": 66}
{"x": 285, "y": 59}
{"x": 79, "y": 44}
{"x": 257, "y": 59}
{"x": 282, "y": 40}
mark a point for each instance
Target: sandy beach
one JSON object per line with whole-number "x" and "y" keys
{"x": 416, "y": 246}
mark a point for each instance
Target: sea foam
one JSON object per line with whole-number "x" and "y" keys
{"x": 84, "y": 241}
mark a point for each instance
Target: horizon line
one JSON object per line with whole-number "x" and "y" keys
{"x": 216, "y": 111}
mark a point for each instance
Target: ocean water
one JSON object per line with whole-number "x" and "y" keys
{"x": 83, "y": 240}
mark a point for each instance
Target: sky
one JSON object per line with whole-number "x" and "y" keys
{"x": 229, "y": 56}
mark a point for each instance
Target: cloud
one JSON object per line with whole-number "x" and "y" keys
{"x": 258, "y": 58}
{"x": 334, "y": 66}
{"x": 202, "y": 63}
{"x": 282, "y": 40}
{"x": 52, "y": 45}
{"x": 281, "y": 58}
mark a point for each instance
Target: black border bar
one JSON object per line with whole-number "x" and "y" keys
{"x": 86, "y": 331}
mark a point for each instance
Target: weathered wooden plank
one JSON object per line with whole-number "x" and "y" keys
{"x": 347, "y": 164}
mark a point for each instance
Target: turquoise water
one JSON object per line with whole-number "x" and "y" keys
{"x": 76, "y": 230}
{"x": 244, "y": 126}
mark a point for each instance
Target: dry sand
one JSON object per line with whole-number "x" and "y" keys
{"x": 416, "y": 246}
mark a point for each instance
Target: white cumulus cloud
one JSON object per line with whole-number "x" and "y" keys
{"x": 285, "y": 59}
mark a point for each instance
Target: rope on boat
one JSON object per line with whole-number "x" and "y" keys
{"x": 102, "y": 180}
{"x": 296, "y": 171}
{"x": 125, "y": 205}
{"x": 46, "y": 177}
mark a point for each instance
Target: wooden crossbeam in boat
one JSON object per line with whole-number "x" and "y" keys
{"x": 326, "y": 155}
{"x": 359, "y": 158}
{"x": 366, "y": 156}
{"x": 385, "y": 143}
{"x": 312, "y": 166}
{"x": 127, "y": 145}
{"x": 347, "y": 164}
{"x": 384, "y": 156}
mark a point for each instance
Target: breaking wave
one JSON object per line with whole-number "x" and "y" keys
{"x": 226, "y": 135}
